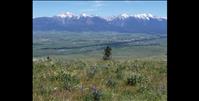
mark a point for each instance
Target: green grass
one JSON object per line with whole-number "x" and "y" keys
{"x": 92, "y": 44}
{"x": 135, "y": 73}
{"x": 61, "y": 79}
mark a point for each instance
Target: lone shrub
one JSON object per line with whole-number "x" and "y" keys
{"x": 107, "y": 53}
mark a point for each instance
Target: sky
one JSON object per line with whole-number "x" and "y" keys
{"x": 99, "y": 8}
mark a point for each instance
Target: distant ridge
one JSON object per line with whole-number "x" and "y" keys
{"x": 68, "y": 21}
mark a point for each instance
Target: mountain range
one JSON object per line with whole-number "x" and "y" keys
{"x": 140, "y": 23}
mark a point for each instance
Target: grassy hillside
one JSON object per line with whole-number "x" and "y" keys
{"x": 58, "y": 79}
{"x": 76, "y": 71}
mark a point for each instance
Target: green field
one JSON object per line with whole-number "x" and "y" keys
{"x": 76, "y": 71}
{"x": 72, "y": 44}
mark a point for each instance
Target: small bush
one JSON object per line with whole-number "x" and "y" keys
{"x": 110, "y": 83}
{"x": 118, "y": 73}
{"x": 91, "y": 72}
{"x": 48, "y": 58}
{"x": 134, "y": 79}
{"x": 94, "y": 95}
{"x": 67, "y": 81}
{"x": 107, "y": 53}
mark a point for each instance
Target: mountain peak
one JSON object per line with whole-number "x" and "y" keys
{"x": 110, "y": 18}
{"x": 140, "y": 23}
{"x": 144, "y": 16}
{"x": 66, "y": 14}
{"x": 125, "y": 15}
{"x": 84, "y": 15}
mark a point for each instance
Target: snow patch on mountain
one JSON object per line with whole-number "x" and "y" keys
{"x": 66, "y": 14}
{"x": 123, "y": 16}
{"x": 145, "y": 16}
{"x": 84, "y": 15}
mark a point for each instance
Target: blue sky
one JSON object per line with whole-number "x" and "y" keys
{"x": 100, "y": 8}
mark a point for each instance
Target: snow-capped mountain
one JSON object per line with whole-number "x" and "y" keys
{"x": 123, "y": 16}
{"x": 140, "y": 23}
{"x": 85, "y": 15}
{"x": 66, "y": 15}
{"x": 144, "y": 16}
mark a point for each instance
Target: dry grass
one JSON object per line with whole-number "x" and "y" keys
{"x": 95, "y": 73}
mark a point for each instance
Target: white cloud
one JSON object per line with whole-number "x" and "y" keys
{"x": 97, "y": 1}
{"x": 87, "y": 10}
{"x": 95, "y": 7}
{"x": 98, "y": 4}
{"x": 127, "y": 1}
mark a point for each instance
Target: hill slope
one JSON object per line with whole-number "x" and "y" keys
{"x": 91, "y": 80}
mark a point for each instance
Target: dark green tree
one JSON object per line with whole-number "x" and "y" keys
{"x": 107, "y": 53}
